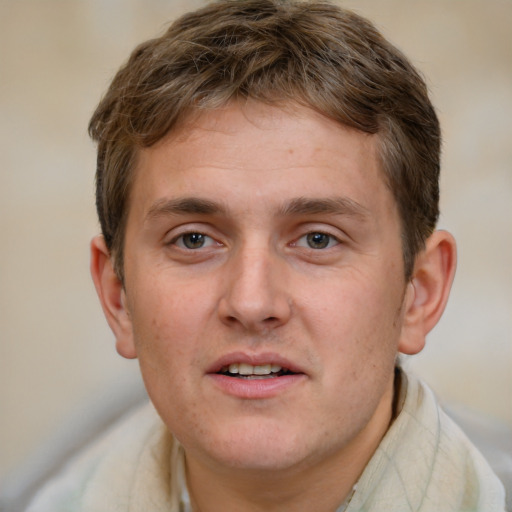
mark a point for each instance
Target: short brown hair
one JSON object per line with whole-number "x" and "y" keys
{"x": 311, "y": 53}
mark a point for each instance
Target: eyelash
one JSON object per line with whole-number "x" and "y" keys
{"x": 176, "y": 241}
{"x": 331, "y": 242}
{"x": 208, "y": 241}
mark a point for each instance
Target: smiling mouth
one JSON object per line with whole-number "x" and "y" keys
{"x": 248, "y": 371}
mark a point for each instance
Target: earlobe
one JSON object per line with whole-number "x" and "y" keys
{"x": 112, "y": 297}
{"x": 428, "y": 291}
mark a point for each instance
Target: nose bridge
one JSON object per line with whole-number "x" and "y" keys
{"x": 253, "y": 275}
{"x": 255, "y": 294}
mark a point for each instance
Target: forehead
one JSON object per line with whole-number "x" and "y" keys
{"x": 274, "y": 152}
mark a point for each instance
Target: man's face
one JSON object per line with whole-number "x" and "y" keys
{"x": 264, "y": 286}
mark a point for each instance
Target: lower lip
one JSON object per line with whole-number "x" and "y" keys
{"x": 255, "y": 388}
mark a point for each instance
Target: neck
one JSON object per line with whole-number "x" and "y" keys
{"x": 321, "y": 486}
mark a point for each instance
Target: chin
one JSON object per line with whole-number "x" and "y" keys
{"x": 258, "y": 448}
{"x": 249, "y": 458}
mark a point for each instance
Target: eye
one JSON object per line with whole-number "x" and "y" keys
{"x": 317, "y": 240}
{"x": 193, "y": 241}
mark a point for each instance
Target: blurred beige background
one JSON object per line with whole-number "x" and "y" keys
{"x": 56, "y": 59}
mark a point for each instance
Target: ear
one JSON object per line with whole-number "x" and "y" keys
{"x": 427, "y": 292}
{"x": 112, "y": 296}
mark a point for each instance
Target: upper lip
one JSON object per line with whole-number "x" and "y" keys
{"x": 254, "y": 360}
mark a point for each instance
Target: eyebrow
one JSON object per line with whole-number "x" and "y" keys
{"x": 183, "y": 206}
{"x": 330, "y": 205}
{"x": 297, "y": 206}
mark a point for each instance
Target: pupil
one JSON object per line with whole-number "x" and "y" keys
{"x": 193, "y": 240}
{"x": 318, "y": 240}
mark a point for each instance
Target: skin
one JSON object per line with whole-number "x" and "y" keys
{"x": 299, "y": 260}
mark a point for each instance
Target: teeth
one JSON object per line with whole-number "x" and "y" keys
{"x": 249, "y": 369}
{"x": 262, "y": 370}
{"x": 245, "y": 369}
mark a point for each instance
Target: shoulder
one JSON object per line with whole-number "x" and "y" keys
{"x": 460, "y": 477}
{"x": 106, "y": 470}
{"x": 425, "y": 463}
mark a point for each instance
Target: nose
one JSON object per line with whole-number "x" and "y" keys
{"x": 255, "y": 295}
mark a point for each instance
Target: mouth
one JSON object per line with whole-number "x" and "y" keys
{"x": 254, "y": 372}
{"x": 245, "y": 376}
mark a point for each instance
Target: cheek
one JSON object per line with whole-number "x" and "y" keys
{"x": 169, "y": 308}
{"x": 357, "y": 322}
{"x": 165, "y": 325}
{"x": 165, "y": 334}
